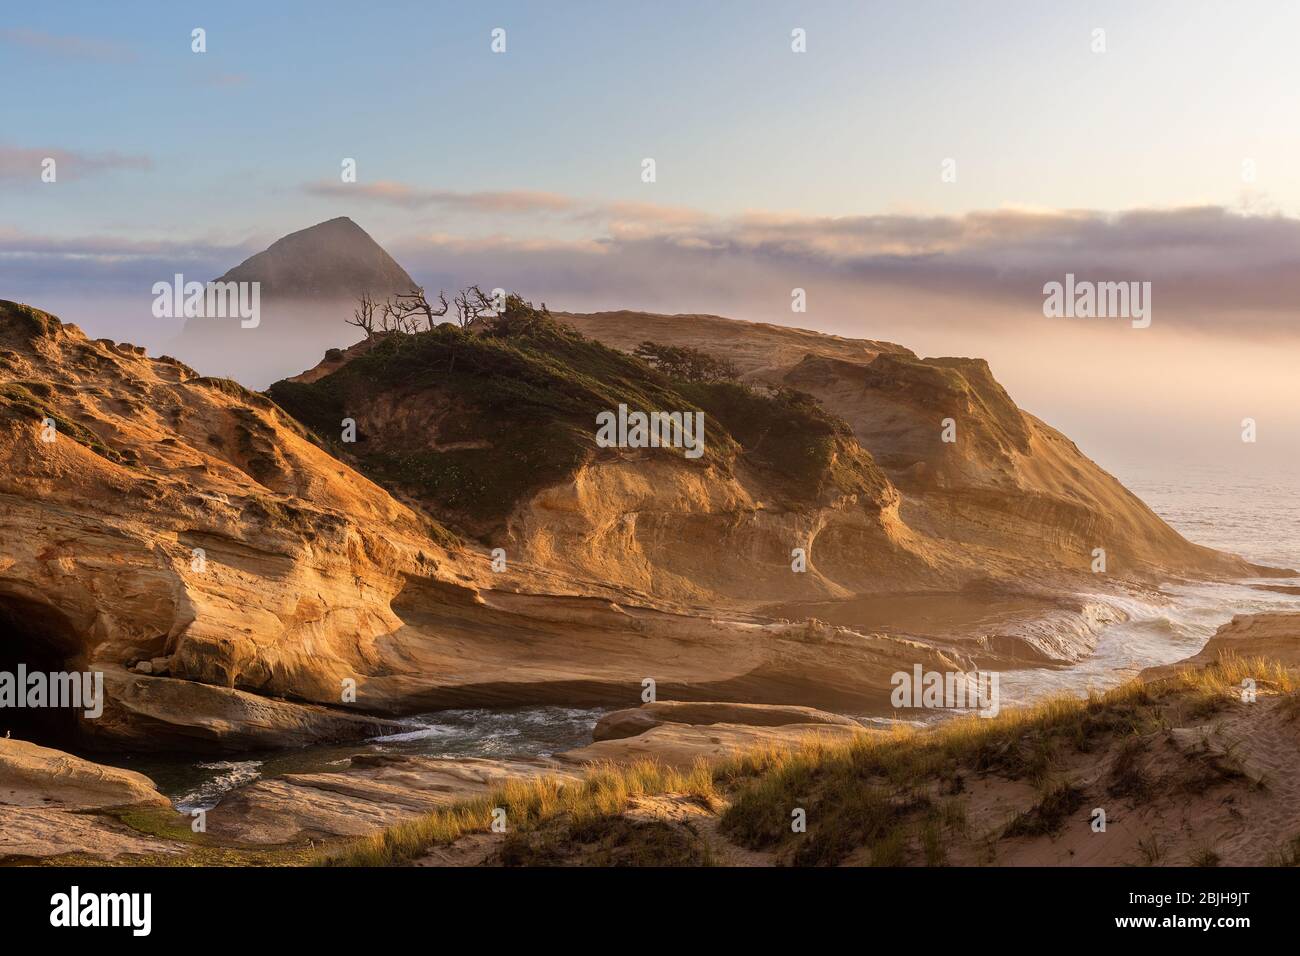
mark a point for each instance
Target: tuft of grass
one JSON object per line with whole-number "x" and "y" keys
{"x": 1205, "y": 856}
{"x": 1128, "y": 778}
{"x": 932, "y": 843}
{"x": 890, "y": 849}
{"x": 1288, "y": 854}
{"x": 1048, "y": 816}
{"x": 1151, "y": 849}
{"x": 606, "y": 841}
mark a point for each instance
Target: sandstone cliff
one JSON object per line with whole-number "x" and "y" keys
{"x": 1008, "y": 497}
{"x": 494, "y": 434}
{"x": 228, "y": 575}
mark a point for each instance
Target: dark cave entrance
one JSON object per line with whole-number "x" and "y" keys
{"x": 41, "y": 640}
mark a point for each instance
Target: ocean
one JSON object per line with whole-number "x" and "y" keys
{"x": 1252, "y": 514}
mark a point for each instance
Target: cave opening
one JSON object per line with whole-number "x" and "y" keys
{"x": 37, "y": 639}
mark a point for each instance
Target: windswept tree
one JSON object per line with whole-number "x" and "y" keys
{"x": 472, "y": 306}
{"x": 405, "y": 309}
{"x": 363, "y": 317}
{"x": 686, "y": 363}
{"x": 521, "y": 318}
{"x": 411, "y": 312}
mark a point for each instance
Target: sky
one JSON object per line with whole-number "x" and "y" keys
{"x": 920, "y": 171}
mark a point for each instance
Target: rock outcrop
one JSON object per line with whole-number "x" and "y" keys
{"x": 637, "y": 720}
{"x": 50, "y": 803}
{"x": 679, "y": 733}
{"x": 1002, "y": 496}
{"x": 1271, "y": 637}
{"x": 308, "y": 284}
{"x": 34, "y": 776}
{"x": 373, "y": 792}
{"x": 331, "y": 260}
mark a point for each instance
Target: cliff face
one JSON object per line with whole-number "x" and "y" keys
{"x": 228, "y": 575}
{"x": 180, "y": 517}
{"x": 495, "y": 434}
{"x": 906, "y": 474}
{"x": 1005, "y": 496}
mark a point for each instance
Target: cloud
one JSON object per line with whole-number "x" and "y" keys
{"x": 408, "y": 197}
{"x": 75, "y": 47}
{"x": 1213, "y": 270}
{"x": 1202, "y": 261}
{"x": 19, "y": 162}
{"x": 35, "y": 265}
{"x": 617, "y": 216}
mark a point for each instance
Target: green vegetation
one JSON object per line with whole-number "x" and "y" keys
{"x": 33, "y": 323}
{"x": 470, "y": 421}
{"x": 1046, "y": 817}
{"x": 685, "y": 363}
{"x": 228, "y": 386}
{"x": 30, "y": 400}
{"x": 791, "y": 438}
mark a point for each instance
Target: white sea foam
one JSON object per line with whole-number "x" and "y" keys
{"x": 229, "y": 775}
{"x": 1146, "y": 634}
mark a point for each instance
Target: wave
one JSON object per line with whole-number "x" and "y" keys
{"x": 1139, "y": 632}
{"x": 230, "y": 774}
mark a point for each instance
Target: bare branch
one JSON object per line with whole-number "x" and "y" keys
{"x": 363, "y": 317}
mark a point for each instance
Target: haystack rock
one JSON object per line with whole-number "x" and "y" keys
{"x": 310, "y": 282}
{"x": 331, "y": 260}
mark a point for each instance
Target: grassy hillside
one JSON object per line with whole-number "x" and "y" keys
{"x": 471, "y": 422}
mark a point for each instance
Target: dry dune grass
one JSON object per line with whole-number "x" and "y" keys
{"x": 606, "y": 791}
{"x": 904, "y": 797}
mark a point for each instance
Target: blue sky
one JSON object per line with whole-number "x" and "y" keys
{"x": 775, "y": 170}
{"x": 859, "y": 124}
